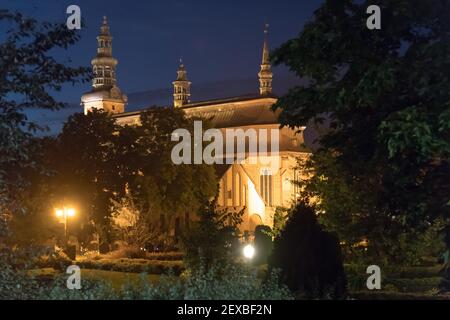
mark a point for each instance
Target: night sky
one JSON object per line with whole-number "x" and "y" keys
{"x": 218, "y": 40}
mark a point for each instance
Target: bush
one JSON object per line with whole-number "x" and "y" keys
{"x": 230, "y": 282}
{"x": 211, "y": 239}
{"x": 263, "y": 244}
{"x": 309, "y": 258}
{"x": 166, "y": 256}
{"x": 57, "y": 260}
{"x": 234, "y": 282}
{"x": 222, "y": 282}
{"x": 134, "y": 265}
{"x": 131, "y": 252}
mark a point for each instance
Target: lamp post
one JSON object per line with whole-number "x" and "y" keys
{"x": 65, "y": 213}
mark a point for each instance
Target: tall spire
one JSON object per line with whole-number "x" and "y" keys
{"x": 104, "y": 64}
{"x": 181, "y": 87}
{"x": 265, "y": 75}
{"x": 105, "y": 94}
{"x": 104, "y": 29}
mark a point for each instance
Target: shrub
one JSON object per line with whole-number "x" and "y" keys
{"x": 166, "y": 256}
{"x": 131, "y": 252}
{"x": 219, "y": 282}
{"x": 263, "y": 244}
{"x": 210, "y": 239}
{"x": 310, "y": 258}
{"x": 234, "y": 282}
{"x": 57, "y": 260}
{"x": 134, "y": 265}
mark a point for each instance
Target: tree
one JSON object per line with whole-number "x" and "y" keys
{"x": 382, "y": 169}
{"x": 132, "y": 227}
{"x": 263, "y": 244}
{"x": 85, "y": 162}
{"x": 211, "y": 240}
{"x": 164, "y": 190}
{"x": 309, "y": 258}
{"x": 28, "y": 75}
{"x": 100, "y": 164}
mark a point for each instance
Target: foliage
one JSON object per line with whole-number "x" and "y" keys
{"x": 212, "y": 239}
{"x": 279, "y": 220}
{"x": 28, "y": 76}
{"x": 57, "y": 260}
{"x": 263, "y": 244}
{"x": 130, "y": 252}
{"x": 233, "y": 282}
{"x": 396, "y": 279}
{"x": 160, "y": 188}
{"x": 382, "y": 166}
{"x": 309, "y": 258}
{"x": 84, "y": 163}
{"x": 131, "y": 226}
{"x": 35, "y": 223}
{"x": 230, "y": 282}
{"x": 134, "y": 265}
{"x": 117, "y": 171}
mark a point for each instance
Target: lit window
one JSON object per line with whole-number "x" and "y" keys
{"x": 265, "y": 183}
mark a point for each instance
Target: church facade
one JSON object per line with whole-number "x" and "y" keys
{"x": 254, "y": 187}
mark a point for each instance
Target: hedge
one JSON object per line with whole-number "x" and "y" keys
{"x": 134, "y": 265}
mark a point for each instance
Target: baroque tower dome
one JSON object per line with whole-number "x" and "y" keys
{"x": 181, "y": 87}
{"x": 104, "y": 94}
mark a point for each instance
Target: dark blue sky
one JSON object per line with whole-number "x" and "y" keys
{"x": 219, "y": 40}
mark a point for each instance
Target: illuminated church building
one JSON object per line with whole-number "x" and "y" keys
{"x": 255, "y": 187}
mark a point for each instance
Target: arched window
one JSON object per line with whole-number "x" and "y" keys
{"x": 265, "y": 185}
{"x": 237, "y": 190}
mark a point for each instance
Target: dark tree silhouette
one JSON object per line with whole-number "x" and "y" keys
{"x": 309, "y": 258}
{"x": 382, "y": 170}
{"x": 263, "y": 244}
{"x": 28, "y": 76}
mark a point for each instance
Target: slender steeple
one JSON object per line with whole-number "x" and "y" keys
{"x": 105, "y": 93}
{"x": 104, "y": 65}
{"x": 181, "y": 87}
{"x": 265, "y": 75}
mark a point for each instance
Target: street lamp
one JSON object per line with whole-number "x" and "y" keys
{"x": 64, "y": 213}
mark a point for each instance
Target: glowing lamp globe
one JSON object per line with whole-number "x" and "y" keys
{"x": 70, "y": 212}
{"x": 249, "y": 251}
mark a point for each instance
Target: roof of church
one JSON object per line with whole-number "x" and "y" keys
{"x": 229, "y": 112}
{"x": 227, "y": 100}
